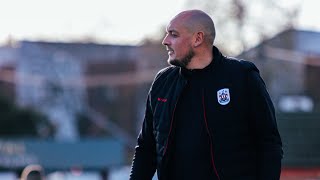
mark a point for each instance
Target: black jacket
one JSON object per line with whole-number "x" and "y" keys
{"x": 245, "y": 142}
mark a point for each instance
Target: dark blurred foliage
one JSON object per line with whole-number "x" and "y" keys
{"x": 19, "y": 122}
{"x": 87, "y": 128}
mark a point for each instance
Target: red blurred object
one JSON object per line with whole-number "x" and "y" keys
{"x": 300, "y": 174}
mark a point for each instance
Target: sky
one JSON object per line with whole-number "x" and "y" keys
{"x": 104, "y": 21}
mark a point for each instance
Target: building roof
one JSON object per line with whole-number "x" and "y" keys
{"x": 298, "y": 40}
{"x": 87, "y": 51}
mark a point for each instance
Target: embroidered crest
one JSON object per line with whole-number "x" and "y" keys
{"x": 223, "y": 96}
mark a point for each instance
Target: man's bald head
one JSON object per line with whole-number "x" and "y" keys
{"x": 195, "y": 21}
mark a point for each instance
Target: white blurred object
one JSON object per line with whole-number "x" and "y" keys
{"x": 8, "y": 176}
{"x": 296, "y": 103}
{"x": 123, "y": 173}
{"x": 72, "y": 176}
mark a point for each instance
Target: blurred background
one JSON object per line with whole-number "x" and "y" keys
{"x": 74, "y": 76}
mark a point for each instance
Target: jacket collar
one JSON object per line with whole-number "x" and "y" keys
{"x": 217, "y": 58}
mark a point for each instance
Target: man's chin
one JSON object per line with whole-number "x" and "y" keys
{"x": 172, "y": 62}
{"x": 175, "y": 62}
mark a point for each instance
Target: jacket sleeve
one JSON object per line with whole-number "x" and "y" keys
{"x": 144, "y": 161}
{"x": 264, "y": 125}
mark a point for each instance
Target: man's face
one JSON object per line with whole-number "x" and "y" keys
{"x": 178, "y": 42}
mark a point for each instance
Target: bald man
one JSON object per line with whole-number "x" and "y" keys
{"x": 208, "y": 117}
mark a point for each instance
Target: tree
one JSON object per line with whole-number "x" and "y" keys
{"x": 241, "y": 24}
{"x": 20, "y": 122}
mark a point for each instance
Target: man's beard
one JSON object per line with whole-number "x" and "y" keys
{"x": 184, "y": 61}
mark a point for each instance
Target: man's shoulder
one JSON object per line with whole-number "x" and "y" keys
{"x": 167, "y": 69}
{"x": 241, "y": 63}
{"x": 165, "y": 72}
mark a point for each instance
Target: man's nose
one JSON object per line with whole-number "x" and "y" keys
{"x": 165, "y": 41}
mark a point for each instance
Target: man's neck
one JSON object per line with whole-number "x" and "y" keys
{"x": 201, "y": 61}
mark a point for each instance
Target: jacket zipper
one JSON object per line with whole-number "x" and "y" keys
{"x": 171, "y": 124}
{"x": 168, "y": 139}
{"x": 210, "y": 138}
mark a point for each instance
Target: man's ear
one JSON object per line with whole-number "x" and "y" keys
{"x": 199, "y": 38}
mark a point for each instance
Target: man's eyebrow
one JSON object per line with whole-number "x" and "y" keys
{"x": 172, "y": 31}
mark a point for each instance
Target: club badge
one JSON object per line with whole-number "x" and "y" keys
{"x": 223, "y": 96}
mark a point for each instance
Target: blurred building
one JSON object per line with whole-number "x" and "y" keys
{"x": 42, "y": 75}
{"x": 290, "y": 65}
{"x": 106, "y": 83}
{"x": 8, "y": 61}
